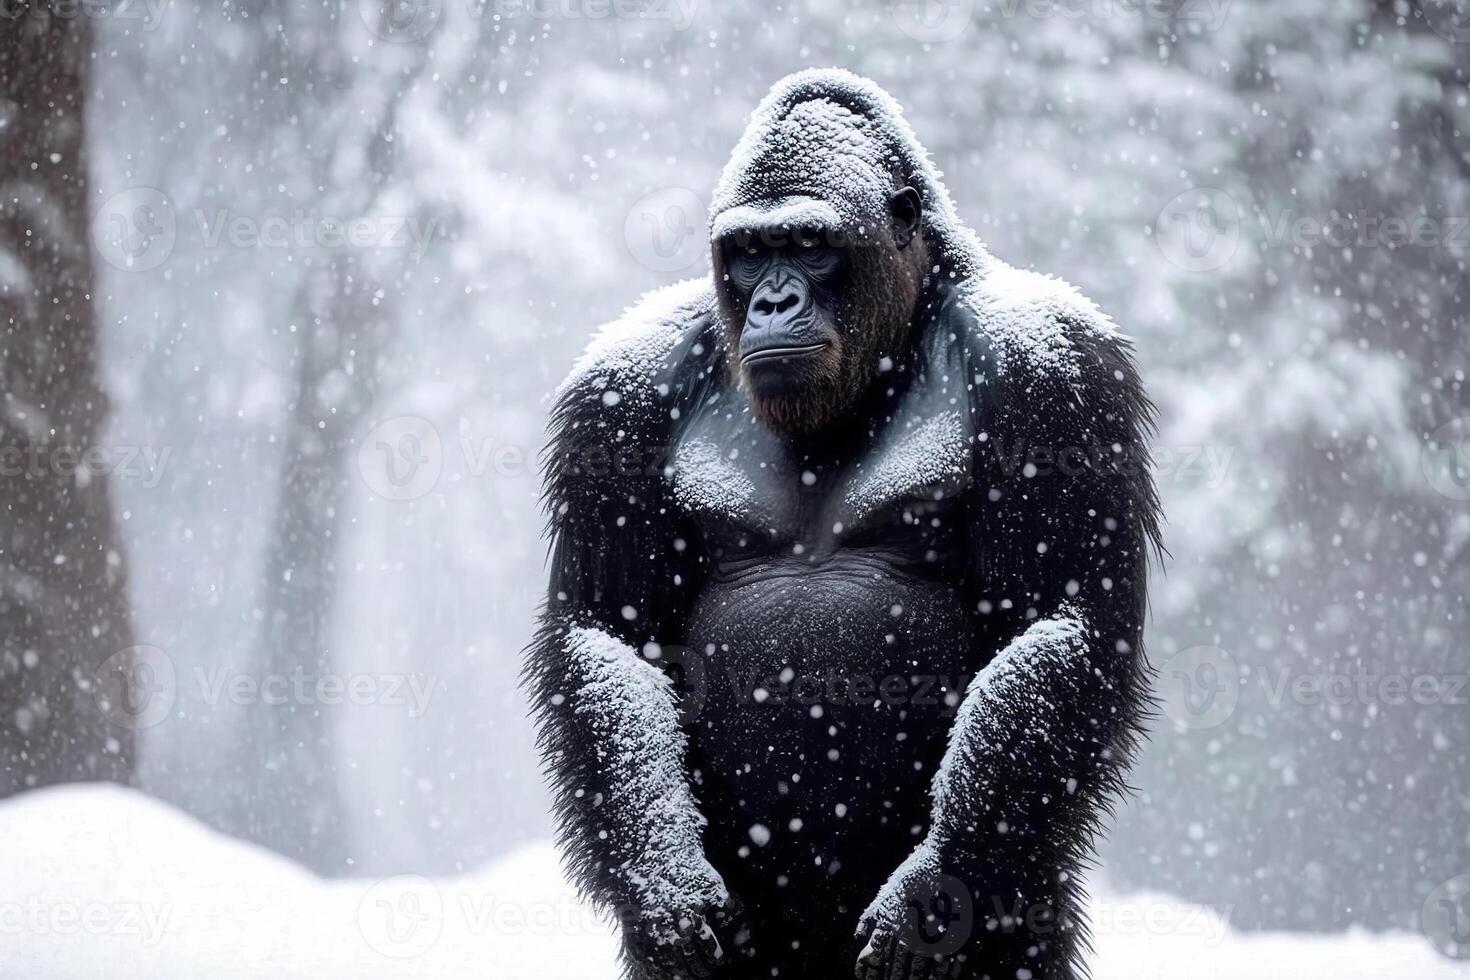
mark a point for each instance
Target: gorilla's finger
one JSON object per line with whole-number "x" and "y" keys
{"x": 898, "y": 959}
{"x": 692, "y": 968}
{"x": 939, "y": 968}
{"x": 702, "y": 955}
{"x": 662, "y": 963}
{"x": 902, "y": 959}
{"x": 870, "y": 963}
{"x": 922, "y": 967}
{"x": 731, "y": 910}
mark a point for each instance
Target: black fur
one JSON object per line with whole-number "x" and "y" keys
{"x": 765, "y": 581}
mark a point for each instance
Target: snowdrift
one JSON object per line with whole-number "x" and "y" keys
{"x": 104, "y": 882}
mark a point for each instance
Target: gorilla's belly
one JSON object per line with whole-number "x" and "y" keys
{"x": 828, "y": 692}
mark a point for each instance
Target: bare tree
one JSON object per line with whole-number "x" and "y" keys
{"x": 342, "y": 315}
{"x": 63, "y": 604}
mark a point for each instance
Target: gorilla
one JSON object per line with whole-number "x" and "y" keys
{"x": 840, "y": 671}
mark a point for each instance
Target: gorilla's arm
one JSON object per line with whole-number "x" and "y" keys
{"x": 609, "y": 728}
{"x": 611, "y": 734}
{"x": 1038, "y": 750}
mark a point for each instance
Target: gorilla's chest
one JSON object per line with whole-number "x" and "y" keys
{"x": 759, "y": 499}
{"x": 845, "y": 558}
{"x": 831, "y": 631}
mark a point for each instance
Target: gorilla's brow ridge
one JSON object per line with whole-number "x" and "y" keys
{"x": 830, "y": 136}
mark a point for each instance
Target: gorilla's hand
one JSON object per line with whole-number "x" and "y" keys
{"x": 918, "y": 926}
{"x": 672, "y": 927}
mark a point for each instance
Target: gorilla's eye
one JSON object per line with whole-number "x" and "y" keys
{"x": 752, "y": 249}
{"x": 808, "y": 239}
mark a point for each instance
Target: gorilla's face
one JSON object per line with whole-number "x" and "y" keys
{"x": 792, "y": 287}
{"x": 811, "y": 313}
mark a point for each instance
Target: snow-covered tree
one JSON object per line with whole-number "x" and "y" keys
{"x": 65, "y": 632}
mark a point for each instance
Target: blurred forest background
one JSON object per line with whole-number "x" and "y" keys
{"x": 326, "y": 259}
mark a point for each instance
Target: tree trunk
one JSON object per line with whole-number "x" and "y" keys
{"x": 292, "y": 748}
{"x": 288, "y": 754}
{"x": 64, "y": 627}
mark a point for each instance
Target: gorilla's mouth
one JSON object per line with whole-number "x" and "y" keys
{"x": 777, "y": 353}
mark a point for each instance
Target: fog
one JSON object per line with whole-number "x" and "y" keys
{"x": 344, "y": 252}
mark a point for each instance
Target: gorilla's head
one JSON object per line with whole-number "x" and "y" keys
{"x": 827, "y": 225}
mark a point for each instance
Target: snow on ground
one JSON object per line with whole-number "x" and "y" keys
{"x": 104, "y": 882}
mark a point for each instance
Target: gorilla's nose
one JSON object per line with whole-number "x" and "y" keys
{"x": 769, "y": 306}
{"x": 772, "y": 305}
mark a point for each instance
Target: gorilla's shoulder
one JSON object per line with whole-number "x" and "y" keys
{"x": 1039, "y": 329}
{"x": 1035, "y": 335}
{"x": 637, "y": 373}
{"x": 631, "y": 356}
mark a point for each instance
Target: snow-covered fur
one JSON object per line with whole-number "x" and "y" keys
{"x": 1021, "y": 409}
{"x": 822, "y": 156}
{"x": 824, "y": 149}
{"x": 644, "y": 764}
{"x": 609, "y": 734}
